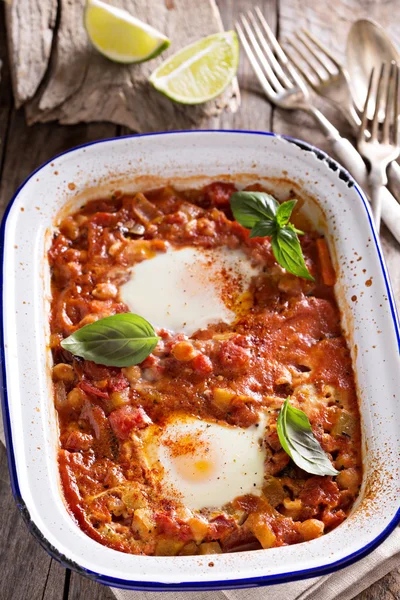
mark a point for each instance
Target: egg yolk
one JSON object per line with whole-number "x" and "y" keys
{"x": 194, "y": 469}
{"x": 191, "y": 457}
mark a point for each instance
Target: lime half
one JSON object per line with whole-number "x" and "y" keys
{"x": 201, "y": 71}
{"x": 121, "y": 37}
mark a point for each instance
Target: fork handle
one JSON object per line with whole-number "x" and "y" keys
{"x": 343, "y": 149}
{"x": 352, "y": 160}
{"x": 394, "y": 168}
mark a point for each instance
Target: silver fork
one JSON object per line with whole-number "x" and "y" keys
{"x": 323, "y": 73}
{"x": 380, "y": 148}
{"x": 329, "y": 79}
{"x": 284, "y": 87}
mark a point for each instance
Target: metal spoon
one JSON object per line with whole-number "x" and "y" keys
{"x": 368, "y": 46}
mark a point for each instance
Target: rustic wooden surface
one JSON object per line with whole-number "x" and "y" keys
{"x": 81, "y": 85}
{"x": 27, "y": 572}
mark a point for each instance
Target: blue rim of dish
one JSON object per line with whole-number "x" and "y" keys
{"x": 189, "y": 586}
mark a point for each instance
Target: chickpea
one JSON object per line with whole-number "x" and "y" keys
{"x": 311, "y": 529}
{"x": 69, "y": 228}
{"x": 183, "y": 351}
{"x": 118, "y": 399}
{"x": 75, "y": 399}
{"x": 105, "y": 291}
{"x": 133, "y": 374}
{"x": 115, "y": 248}
{"x": 349, "y": 479}
{"x": 80, "y": 219}
{"x": 63, "y": 372}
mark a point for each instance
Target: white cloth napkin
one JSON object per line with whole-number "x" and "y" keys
{"x": 341, "y": 585}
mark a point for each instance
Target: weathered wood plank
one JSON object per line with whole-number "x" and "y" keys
{"x": 5, "y": 88}
{"x": 81, "y": 588}
{"x": 55, "y": 582}
{"x": 30, "y": 25}
{"x": 25, "y": 564}
{"x": 27, "y": 570}
{"x": 330, "y": 25}
{"x": 387, "y": 588}
{"x": 83, "y": 86}
{"x": 29, "y": 147}
{"x": 255, "y": 112}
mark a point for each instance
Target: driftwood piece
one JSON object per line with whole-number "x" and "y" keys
{"x": 30, "y": 25}
{"x": 83, "y": 86}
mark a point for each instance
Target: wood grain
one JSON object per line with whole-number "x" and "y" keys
{"x": 81, "y": 588}
{"x": 82, "y": 85}
{"x": 255, "y": 112}
{"x": 27, "y": 571}
{"x": 18, "y": 548}
{"x": 30, "y": 25}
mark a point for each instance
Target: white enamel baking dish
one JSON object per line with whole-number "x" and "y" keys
{"x": 369, "y": 316}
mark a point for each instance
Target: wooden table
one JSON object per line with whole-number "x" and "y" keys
{"x": 27, "y": 572}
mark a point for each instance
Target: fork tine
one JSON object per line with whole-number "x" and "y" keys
{"x": 312, "y": 70}
{"x": 299, "y": 67}
{"x": 364, "y": 118}
{"x": 273, "y": 80}
{"x": 378, "y": 100}
{"x": 323, "y": 48}
{"x": 396, "y": 107}
{"x": 254, "y": 63}
{"x": 272, "y": 39}
{"x": 388, "y": 111}
{"x": 314, "y": 54}
{"x": 267, "y": 49}
{"x": 279, "y": 52}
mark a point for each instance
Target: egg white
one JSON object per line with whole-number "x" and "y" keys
{"x": 183, "y": 289}
{"x": 206, "y": 464}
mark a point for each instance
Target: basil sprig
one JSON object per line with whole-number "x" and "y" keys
{"x": 121, "y": 340}
{"x": 297, "y": 439}
{"x": 261, "y": 213}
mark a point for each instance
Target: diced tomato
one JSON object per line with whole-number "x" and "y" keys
{"x": 105, "y": 219}
{"x": 202, "y": 364}
{"x": 172, "y": 527}
{"x": 118, "y": 383}
{"x": 285, "y": 531}
{"x": 150, "y": 361}
{"x": 220, "y": 527}
{"x": 95, "y": 371}
{"x": 243, "y": 415}
{"x": 219, "y": 193}
{"x": 123, "y": 420}
{"x": 233, "y": 356}
{"x": 333, "y": 518}
{"x": 78, "y": 441}
{"x": 240, "y": 540}
{"x": 96, "y": 417}
{"x": 89, "y": 388}
{"x": 320, "y": 490}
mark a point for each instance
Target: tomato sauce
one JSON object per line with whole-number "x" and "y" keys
{"x": 288, "y": 342}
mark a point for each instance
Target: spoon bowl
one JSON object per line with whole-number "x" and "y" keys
{"x": 368, "y": 45}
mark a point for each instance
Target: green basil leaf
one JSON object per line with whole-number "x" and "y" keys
{"x": 121, "y": 340}
{"x": 287, "y": 251}
{"x": 284, "y": 212}
{"x": 263, "y": 229}
{"x": 250, "y": 207}
{"x": 298, "y": 441}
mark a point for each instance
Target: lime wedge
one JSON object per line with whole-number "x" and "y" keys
{"x": 121, "y": 37}
{"x": 199, "y": 72}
